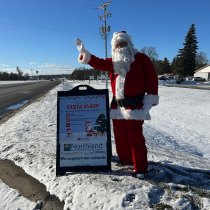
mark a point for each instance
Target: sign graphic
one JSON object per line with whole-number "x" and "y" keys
{"x": 88, "y": 118}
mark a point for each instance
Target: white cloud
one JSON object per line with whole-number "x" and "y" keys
{"x": 54, "y": 67}
{"x": 4, "y": 65}
{"x": 8, "y": 70}
{"x": 32, "y": 63}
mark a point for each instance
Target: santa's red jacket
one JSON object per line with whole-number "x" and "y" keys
{"x": 141, "y": 78}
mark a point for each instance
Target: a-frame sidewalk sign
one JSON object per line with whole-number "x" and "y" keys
{"x": 83, "y": 130}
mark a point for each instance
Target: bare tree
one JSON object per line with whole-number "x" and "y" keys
{"x": 201, "y": 59}
{"x": 150, "y": 52}
{"x": 20, "y": 73}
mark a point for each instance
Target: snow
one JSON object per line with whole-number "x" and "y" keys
{"x": 178, "y": 145}
{"x": 11, "y": 199}
{"x": 207, "y": 83}
{"x": 173, "y": 82}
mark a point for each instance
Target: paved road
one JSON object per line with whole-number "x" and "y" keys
{"x": 13, "y": 94}
{"x": 203, "y": 87}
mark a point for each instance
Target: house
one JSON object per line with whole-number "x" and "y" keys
{"x": 203, "y": 72}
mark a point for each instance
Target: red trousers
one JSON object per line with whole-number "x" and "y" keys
{"x": 130, "y": 143}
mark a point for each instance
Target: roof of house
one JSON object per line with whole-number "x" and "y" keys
{"x": 202, "y": 68}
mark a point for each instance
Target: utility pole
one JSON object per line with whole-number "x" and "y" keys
{"x": 104, "y": 29}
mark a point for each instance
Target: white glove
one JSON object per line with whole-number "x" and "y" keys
{"x": 80, "y": 46}
{"x": 147, "y": 107}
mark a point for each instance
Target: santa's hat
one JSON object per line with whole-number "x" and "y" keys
{"x": 121, "y": 36}
{"x": 88, "y": 123}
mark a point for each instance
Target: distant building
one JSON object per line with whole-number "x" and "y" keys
{"x": 168, "y": 75}
{"x": 203, "y": 72}
{"x": 103, "y": 77}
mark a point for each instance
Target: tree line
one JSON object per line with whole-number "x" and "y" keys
{"x": 12, "y": 76}
{"x": 185, "y": 62}
{"x": 83, "y": 73}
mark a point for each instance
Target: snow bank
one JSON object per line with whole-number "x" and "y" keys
{"x": 173, "y": 82}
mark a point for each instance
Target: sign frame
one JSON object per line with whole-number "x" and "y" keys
{"x": 83, "y": 90}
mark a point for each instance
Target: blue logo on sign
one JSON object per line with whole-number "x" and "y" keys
{"x": 66, "y": 147}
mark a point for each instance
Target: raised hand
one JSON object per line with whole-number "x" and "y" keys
{"x": 80, "y": 45}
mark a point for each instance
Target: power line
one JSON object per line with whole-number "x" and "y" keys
{"x": 112, "y": 24}
{"x": 95, "y": 0}
{"x": 12, "y": 24}
{"x": 63, "y": 4}
{"x": 77, "y": 2}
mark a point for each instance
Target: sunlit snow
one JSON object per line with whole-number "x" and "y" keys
{"x": 178, "y": 142}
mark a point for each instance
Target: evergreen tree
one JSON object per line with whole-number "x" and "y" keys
{"x": 175, "y": 65}
{"x": 166, "y": 66}
{"x": 159, "y": 67}
{"x": 101, "y": 123}
{"x": 187, "y": 55}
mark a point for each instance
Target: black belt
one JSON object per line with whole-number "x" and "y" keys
{"x": 126, "y": 102}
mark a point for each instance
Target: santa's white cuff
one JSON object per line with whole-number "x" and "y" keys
{"x": 85, "y": 57}
{"x": 151, "y": 99}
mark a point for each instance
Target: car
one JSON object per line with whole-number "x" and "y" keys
{"x": 162, "y": 78}
{"x": 199, "y": 79}
{"x": 51, "y": 80}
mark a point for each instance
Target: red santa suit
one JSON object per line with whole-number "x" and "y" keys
{"x": 88, "y": 128}
{"x": 141, "y": 78}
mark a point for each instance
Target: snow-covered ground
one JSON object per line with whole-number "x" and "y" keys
{"x": 12, "y": 200}
{"x": 173, "y": 82}
{"x": 178, "y": 145}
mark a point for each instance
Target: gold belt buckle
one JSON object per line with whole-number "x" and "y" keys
{"x": 121, "y": 107}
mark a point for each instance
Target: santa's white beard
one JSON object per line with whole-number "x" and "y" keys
{"x": 121, "y": 59}
{"x": 89, "y": 127}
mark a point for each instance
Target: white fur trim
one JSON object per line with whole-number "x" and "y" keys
{"x": 120, "y": 37}
{"x": 151, "y": 99}
{"x": 123, "y": 114}
{"x": 86, "y": 57}
{"x": 120, "y": 86}
{"x": 117, "y": 37}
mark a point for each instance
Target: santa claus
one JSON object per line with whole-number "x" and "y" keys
{"x": 69, "y": 132}
{"x": 134, "y": 85}
{"x": 88, "y": 128}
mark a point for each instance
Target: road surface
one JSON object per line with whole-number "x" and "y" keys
{"x": 203, "y": 87}
{"x": 14, "y": 95}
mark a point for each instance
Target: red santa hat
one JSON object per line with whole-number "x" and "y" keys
{"x": 121, "y": 36}
{"x": 88, "y": 123}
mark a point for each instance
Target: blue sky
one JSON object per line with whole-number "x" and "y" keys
{"x": 40, "y": 34}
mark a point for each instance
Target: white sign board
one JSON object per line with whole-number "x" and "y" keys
{"x": 83, "y": 129}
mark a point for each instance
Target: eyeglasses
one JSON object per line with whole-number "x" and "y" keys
{"x": 121, "y": 44}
